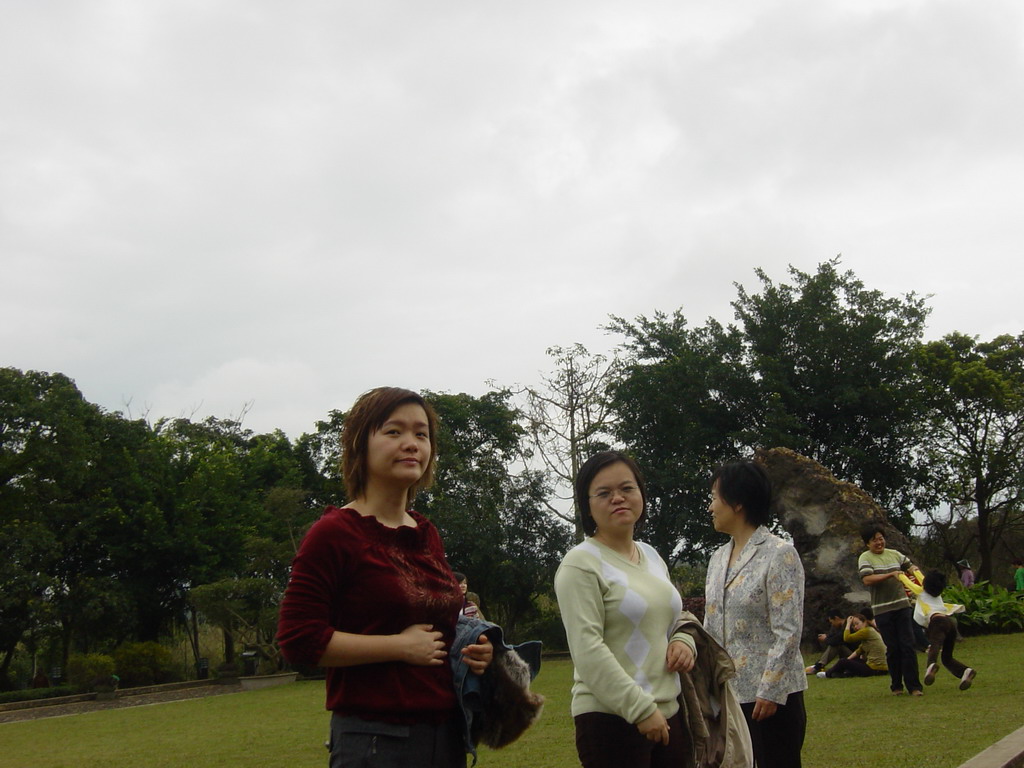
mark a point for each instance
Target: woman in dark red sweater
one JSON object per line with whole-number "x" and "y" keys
{"x": 372, "y": 597}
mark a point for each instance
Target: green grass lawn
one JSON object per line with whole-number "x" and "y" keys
{"x": 286, "y": 725}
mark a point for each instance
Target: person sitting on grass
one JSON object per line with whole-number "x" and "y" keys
{"x": 937, "y": 619}
{"x": 869, "y": 658}
{"x": 833, "y": 642}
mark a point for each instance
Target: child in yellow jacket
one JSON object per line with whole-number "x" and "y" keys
{"x": 937, "y": 619}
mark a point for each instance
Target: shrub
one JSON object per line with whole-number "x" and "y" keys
{"x": 85, "y": 669}
{"x": 987, "y": 608}
{"x": 143, "y": 663}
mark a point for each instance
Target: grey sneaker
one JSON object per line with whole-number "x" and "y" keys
{"x": 822, "y": 675}
{"x": 929, "y": 674}
{"x": 967, "y": 679}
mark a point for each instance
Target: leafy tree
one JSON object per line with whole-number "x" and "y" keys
{"x": 25, "y": 548}
{"x": 568, "y": 418}
{"x": 132, "y": 494}
{"x": 493, "y": 522}
{"x": 823, "y": 366}
{"x": 231, "y": 486}
{"x": 319, "y": 456}
{"x": 679, "y": 412}
{"x": 239, "y": 604}
{"x": 214, "y": 508}
{"x": 976, "y": 443}
{"x": 834, "y": 364}
{"x": 290, "y": 509}
{"x": 47, "y": 451}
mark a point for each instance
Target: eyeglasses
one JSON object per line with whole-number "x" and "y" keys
{"x": 625, "y": 490}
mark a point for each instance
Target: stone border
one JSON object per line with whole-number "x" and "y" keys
{"x": 14, "y": 706}
{"x": 1008, "y": 752}
{"x": 142, "y": 690}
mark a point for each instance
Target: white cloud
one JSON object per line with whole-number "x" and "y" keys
{"x": 229, "y": 202}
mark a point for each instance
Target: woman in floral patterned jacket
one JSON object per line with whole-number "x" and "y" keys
{"x": 754, "y": 608}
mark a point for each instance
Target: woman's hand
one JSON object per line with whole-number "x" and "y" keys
{"x": 421, "y": 644}
{"x": 763, "y": 709}
{"x": 478, "y": 656}
{"x": 654, "y": 727}
{"x": 679, "y": 657}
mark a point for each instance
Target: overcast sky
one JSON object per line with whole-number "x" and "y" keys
{"x": 206, "y": 204}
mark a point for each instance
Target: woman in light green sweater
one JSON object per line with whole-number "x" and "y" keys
{"x": 618, "y": 606}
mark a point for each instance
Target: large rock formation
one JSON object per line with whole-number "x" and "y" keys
{"x": 824, "y": 516}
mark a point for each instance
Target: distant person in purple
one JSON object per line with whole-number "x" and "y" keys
{"x": 966, "y": 574}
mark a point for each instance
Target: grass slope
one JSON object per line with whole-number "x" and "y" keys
{"x": 849, "y": 721}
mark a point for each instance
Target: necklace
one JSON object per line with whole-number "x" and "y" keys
{"x": 634, "y": 553}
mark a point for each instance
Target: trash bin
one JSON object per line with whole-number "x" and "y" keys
{"x": 203, "y": 669}
{"x": 250, "y": 662}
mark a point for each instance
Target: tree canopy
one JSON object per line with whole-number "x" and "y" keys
{"x": 975, "y": 398}
{"x": 821, "y": 365}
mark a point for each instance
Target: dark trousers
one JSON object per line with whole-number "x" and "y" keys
{"x": 778, "y": 740}
{"x": 853, "y": 668}
{"x": 832, "y": 652}
{"x": 942, "y": 636}
{"x": 897, "y": 631}
{"x": 358, "y": 743}
{"x": 608, "y": 741}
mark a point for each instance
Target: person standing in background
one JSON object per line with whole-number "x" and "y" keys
{"x": 879, "y": 569}
{"x": 966, "y": 574}
{"x": 470, "y": 600}
{"x": 1018, "y": 575}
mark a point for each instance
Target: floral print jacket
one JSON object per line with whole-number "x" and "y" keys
{"x": 755, "y": 611}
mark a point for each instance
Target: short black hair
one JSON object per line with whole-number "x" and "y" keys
{"x": 744, "y": 483}
{"x": 869, "y": 529}
{"x": 835, "y": 613}
{"x": 585, "y": 477}
{"x": 934, "y": 583}
{"x": 459, "y": 576}
{"x": 868, "y": 613}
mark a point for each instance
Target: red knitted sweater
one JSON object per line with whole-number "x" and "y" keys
{"x": 353, "y": 574}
